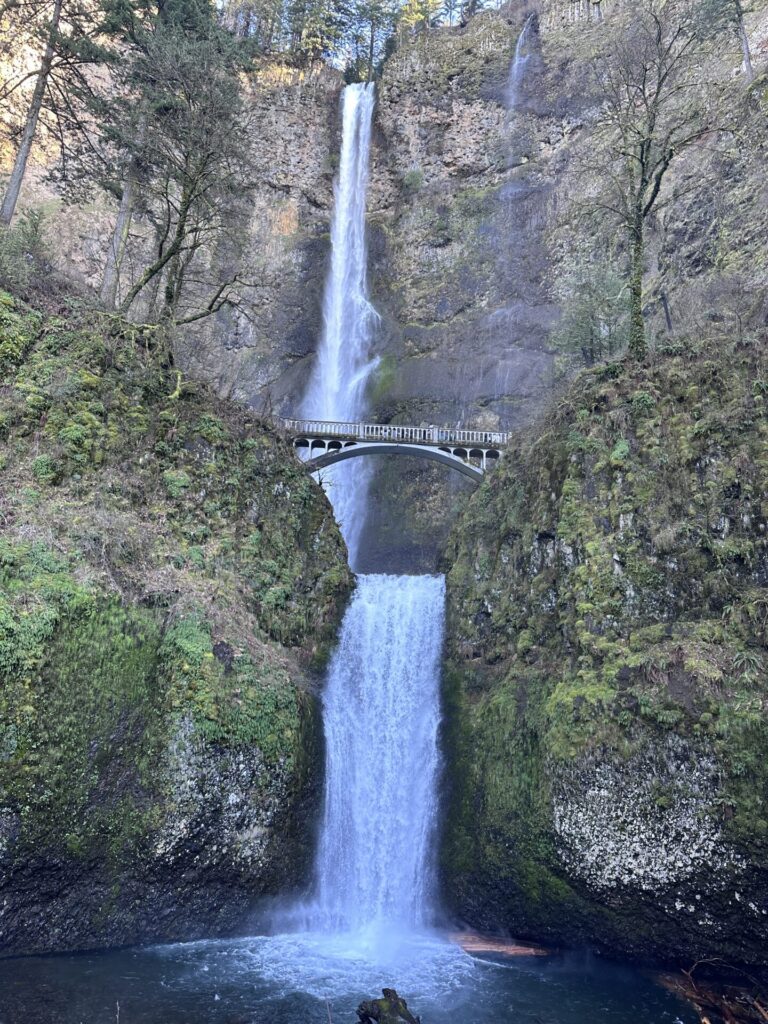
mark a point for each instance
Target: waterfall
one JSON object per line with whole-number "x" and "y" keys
{"x": 336, "y": 389}
{"x": 520, "y": 62}
{"x": 381, "y": 715}
{"x": 374, "y": 865}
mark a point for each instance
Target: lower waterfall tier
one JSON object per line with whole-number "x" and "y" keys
{"x": 381, "y": 711}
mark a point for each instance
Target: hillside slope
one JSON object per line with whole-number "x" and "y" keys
{"x": 170, "y": 574}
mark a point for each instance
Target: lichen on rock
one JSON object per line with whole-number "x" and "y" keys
{"x": 644, "y": 823}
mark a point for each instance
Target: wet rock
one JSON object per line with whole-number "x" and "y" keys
{"x": 390, "y": 1009}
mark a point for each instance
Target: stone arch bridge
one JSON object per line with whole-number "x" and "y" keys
{"x": 470, "y": 452}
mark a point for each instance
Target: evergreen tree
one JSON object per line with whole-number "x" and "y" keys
{"x": 418, "y": 15}
{"x": 371, "y": 25}
{"x": 171, "y": 143}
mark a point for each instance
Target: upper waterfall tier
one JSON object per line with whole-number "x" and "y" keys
{"x": 336, "y": 389}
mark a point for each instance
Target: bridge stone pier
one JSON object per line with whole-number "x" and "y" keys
{"x": 471, "y": 452}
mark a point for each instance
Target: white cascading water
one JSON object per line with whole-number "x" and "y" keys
{"x": 381, "y": 712}
{"x": 520, "y": 62}
{"x": 374, "y": 866}
{"x": 336, "y": 389}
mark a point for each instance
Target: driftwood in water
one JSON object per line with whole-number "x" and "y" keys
{"x": 473, "y": 942}
{"x": 718, "y": 999}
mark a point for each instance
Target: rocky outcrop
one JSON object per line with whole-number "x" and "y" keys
{"x": 608, "y": 658}
{"x": 458, "y": 210}
{"x": 171, "y": 578}
{"x": 262, "y": 352}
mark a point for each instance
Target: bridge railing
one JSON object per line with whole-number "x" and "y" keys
{"x": 396, "y": 432}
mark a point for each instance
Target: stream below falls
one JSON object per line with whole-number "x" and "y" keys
{"x": 288, "y": 979}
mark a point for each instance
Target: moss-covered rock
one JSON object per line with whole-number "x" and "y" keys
{"x": 170, "y": 578}
{"x": 608, "y": 669}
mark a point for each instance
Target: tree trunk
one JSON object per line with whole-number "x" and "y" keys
{"x": 170, "y": 259}
{"x": 111, "y": 279}
{"x": 637, "y": 345}
{"x": 151, "y": 272}
{"x": 108, "y": 293}
{"x": 173, "y": 281}
{"x": 371, "y": 45}
{"x": 28, "y": 135}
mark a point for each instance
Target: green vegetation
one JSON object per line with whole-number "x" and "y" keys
{"x": 607, "y": 592}
{"x": 233, "y": 699}
{"x": 166, "y": 567}
{"x": 23, "y": 254}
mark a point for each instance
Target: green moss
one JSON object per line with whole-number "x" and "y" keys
{"x": 413, "y": 179}
{"x": 177, "y": 482}
{"x": 79, "y": 684}
{"x": 383, "y": 379}
{"x": 18, "y": 329}
{"x": 45, "y": 469}
{"x": 604, "y": 580}
{"x": 183, "y": 569}
{"x": 235, "y": 700}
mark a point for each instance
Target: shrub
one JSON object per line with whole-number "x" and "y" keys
{"x": 413, "y": 179}
{"x": 23, "y": 253}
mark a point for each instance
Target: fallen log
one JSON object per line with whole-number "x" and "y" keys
{"x": 474, "y": 942}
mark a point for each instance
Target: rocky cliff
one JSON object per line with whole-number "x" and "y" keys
{"x": 606, "y": 685}
{"x": 480, "y": 233}
{"x": 170, "y": 580}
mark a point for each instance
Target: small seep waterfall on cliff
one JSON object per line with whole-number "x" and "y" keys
{"x": 520, "y": 62}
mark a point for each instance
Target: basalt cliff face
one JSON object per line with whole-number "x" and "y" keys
{"x": 464, "y": 314}
{"x": 606, "y": 684}
{"x": 169, "y": 580}
{"x": 458, "y": 215}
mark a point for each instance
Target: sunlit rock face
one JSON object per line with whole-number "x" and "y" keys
{"x": 459, "y": 211}
{"x": 262, "y": 352}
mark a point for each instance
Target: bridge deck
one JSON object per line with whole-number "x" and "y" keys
{"x": 394, "y": 433}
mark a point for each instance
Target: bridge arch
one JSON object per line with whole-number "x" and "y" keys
{"x": 339, "y": 451}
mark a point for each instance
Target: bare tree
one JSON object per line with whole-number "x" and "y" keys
{"x": 72, "y": 39}
{"x": 655, "y": 107}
